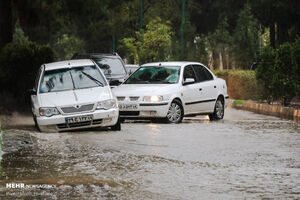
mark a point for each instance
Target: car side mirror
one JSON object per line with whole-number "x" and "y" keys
{"x": 32, "y": 92}
{"x": 188, "y": 81}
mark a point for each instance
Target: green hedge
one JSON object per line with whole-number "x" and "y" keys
{"x": 279, "y": 71}
{"x": 241, "y": 84}
{"x": 19, "y": 64}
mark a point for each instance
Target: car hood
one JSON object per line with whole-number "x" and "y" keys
{"x": 144, "y": 89}
{"x": 74, "y": 97}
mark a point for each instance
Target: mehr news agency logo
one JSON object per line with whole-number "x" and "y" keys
{"x": 29, "y": 186}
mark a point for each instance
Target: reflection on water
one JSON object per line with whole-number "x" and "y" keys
{"x": 251, "y": 157}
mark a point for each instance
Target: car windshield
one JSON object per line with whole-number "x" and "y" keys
{"x": 154, "y": 75}
{"x": 111, "y": 66}
{"x": 73, "y": 78}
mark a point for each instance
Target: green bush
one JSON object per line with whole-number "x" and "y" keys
{"x": 279, "y": 71}
{"x": 19, "y": 64}
{"x": 241, "y": 84}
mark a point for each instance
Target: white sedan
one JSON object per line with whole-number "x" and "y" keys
{"x": 71, "y": 95}
{"x": 172, "y": 90}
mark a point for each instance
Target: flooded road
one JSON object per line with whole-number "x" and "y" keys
{"x": 244, "y": 156}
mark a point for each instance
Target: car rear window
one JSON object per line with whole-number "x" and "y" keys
{"x": 111, "y": 66}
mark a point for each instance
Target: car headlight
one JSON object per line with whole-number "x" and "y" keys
{"x": 49, "y": 111}
{"x": 154, "y": 98}
{"x": 107, "y": 104}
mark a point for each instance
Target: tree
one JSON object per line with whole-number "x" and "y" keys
{"x": 218, "y": 43}
{"x": 67, "y": 46}
{"x": 245, "y": 39}
{"x": 280, "y": 16}
{"x": 6, "y": 26}
{"x": 153, "y": 45}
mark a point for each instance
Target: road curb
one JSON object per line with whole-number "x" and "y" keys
{"x": 273, "y": 110}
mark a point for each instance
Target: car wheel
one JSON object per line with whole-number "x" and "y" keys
{"x": 117, "y": 126}
{"x": 175, "y": 112}
{"x": 35, "y": 123}
{"x": 122, "y": 120}
{"x": 219, "y": 110}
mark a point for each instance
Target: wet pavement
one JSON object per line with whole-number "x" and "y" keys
{"x": 244, "y": 156}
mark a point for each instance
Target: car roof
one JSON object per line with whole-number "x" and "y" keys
{"x": 68, "y": 64}
{"x": 131, "y": 65}
{"x": 173, "y": 63}
{"x": 95, "y": 55}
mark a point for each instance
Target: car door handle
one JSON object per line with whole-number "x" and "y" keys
{"x": 200, "y": 89}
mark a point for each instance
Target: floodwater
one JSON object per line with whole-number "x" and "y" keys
{"x": 244, "y": 156}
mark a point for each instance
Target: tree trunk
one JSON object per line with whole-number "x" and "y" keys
{"x": 221, "y": 61}
{"x": 5, "y": 22}
{"x": 215, "y": 59}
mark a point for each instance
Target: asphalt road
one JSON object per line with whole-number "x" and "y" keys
{"x": 244, "y": 156}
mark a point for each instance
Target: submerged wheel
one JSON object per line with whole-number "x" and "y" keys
{"x": 35, "y": 123}
{"x": 117, "y": 126}
{"x": 175, "y": 112}
{"x": 219, "y": 110}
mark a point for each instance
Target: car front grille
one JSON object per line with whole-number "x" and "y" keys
{"x": 77, "y": 109}
{"x": 134, "y": 98}
{"x": 120, "y": 98}
{"x": 79, "y": 124}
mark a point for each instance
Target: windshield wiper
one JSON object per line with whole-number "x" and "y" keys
{"x": 93, "y": 79}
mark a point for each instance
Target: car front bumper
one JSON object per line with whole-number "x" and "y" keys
{"x": 100, "y": 118}
{"x": 146, "y": 110}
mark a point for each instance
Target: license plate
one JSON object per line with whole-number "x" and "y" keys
{"x": 128, "y": 106}
{"x": 79, "y": 119}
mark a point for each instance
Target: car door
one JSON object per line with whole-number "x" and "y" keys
{"x": 207, "y": 89}
{"x": 190, "y": 91}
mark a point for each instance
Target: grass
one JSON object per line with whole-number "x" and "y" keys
{"x": 237, "y": 102}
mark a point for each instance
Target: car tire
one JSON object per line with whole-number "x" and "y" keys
{"x": 218, "y": 111}
{"x": 175, "y": 112}
{"x": 117, "y": 126}
{"x": 35, "y": 123}
{"x": 122, "y": 120}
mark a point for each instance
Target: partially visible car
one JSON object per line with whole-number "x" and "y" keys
{"x": 112, "y": 66}
{"x": 73, "y": 94}
{"x": 172, "y": 90}
{"x": 131, "y": 68}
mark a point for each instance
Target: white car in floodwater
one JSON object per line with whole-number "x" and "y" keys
{"x": 73, "y": 94}
{"x": 172, "y": 90}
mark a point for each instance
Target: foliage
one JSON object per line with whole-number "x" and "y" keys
{"x": 67, "y": 46}
{"x": 279, "y": 71}
{"x": 241, "y": 84}
{"x": 265, "y": 71}
{"x": 19, "y": 64}
{"x": 153, "y": 45}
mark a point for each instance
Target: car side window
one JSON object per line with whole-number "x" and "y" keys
{"x": 202, "y": 73}
{"x": 189, "y": 73}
